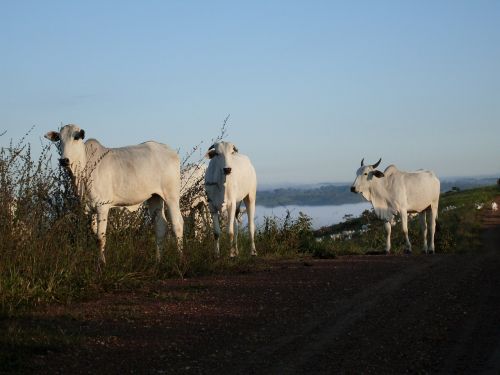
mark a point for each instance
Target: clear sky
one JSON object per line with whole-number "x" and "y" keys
{"x": 311, "y": 86}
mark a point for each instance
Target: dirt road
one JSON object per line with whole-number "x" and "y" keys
{"x": 363, "y": 314}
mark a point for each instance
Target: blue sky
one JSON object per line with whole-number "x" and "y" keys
{"x": 311, "y": 86}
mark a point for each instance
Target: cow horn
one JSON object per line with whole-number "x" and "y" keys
{"x": 363, "y": 162}
{"x": 377, "y": 163}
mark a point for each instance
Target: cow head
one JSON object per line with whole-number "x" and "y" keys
{"x": 71, "y": 146}
{"x": 224, "y": 152}
{"x": 364, "y": 178}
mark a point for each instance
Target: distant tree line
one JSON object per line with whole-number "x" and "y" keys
{"x": 330, "y": 194}
{"x": 321, "y": 196}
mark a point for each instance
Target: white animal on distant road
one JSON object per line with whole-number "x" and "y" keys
{"x": 230, "y": 178}
{"x": 494, "y": 206}
{"x": 396, "y": 192}
{"x": 122, "y": 177}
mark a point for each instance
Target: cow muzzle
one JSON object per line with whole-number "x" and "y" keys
{"x": 227, "y": 171}
{"x": 353, "y": 189}
{"x": 64, "y": 162}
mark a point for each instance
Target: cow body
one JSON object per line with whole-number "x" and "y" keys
{"x": 122, "y": 177}
{"x": 397, "y": 192}
{"x": 230, "y": 179}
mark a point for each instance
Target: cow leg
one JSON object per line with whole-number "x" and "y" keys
{"x": 423, "y": 225}
{"x": 215, "y": 220}
{"x": 155, "y": 207}
{"x": 404, "y": 223}
{"x": 388, "y": 228}
{"x": 434, "y": 213}
{"x": 237, "y": 222}
{"x": 175, "y": 215}
{"x": 250, "y": 205}
{"x": 102, "y": 223}
{"x": 231, "y": 212}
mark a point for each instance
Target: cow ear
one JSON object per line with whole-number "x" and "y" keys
{"x": 52, "y": 136}
{"x": 80, "y": 135}
{"x": 378, "y": 174}
{"x": 210, "y": 153}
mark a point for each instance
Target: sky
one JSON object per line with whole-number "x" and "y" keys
{"x": 311, "y": 87}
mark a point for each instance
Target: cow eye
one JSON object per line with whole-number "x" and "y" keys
{"x": 366, "y": 174}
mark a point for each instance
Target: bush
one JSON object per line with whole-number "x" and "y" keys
{"x": 285, "y": 236}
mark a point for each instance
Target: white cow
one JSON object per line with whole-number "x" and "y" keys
{"x": 194, "y": 202}
{"x": 230, "y": 179}
{"x": 494, "y": 206}
{"x": 122, "y": 177}
{"x": 396, "y": 192}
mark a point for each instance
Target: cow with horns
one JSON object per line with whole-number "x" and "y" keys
{"x": 395, "y": 192}
{"x": 230, "y": 178}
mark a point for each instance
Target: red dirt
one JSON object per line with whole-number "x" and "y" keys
{"x": 361, "y": 314}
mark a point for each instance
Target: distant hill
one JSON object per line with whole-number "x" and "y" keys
{"x": 321, "y": 196}
{"x": 336, "y": 194}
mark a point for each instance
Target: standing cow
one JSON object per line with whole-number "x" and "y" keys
{"x": 230, "y": 179}
{"x": 122, "y": 177}
{"x": 396, "y": 192}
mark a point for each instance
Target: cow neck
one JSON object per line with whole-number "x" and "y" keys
{"x": 378, "y": 196}
{"x": 82, "y": 175}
